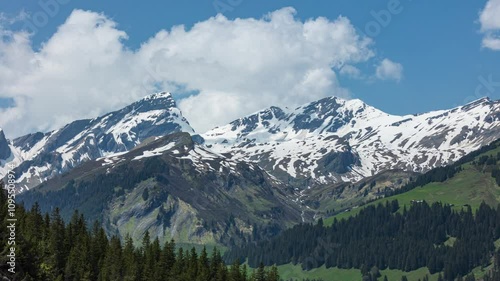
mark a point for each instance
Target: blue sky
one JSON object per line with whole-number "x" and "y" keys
{"x": 438, "y": 44}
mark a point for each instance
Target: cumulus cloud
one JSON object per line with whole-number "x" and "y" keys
{"x": 351, "y": 71}
{"x": 235, "y": 67}
{"x": 389, "y": 70}
{"x": 489, "y": 19}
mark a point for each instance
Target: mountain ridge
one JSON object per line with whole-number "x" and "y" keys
{"x": 327, "y": 141}
{"x": 40, "y": 156}
{"x": 335, "y": 140}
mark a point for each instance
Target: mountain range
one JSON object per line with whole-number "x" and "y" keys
{"x": 334, "y": 140}
{"x": 143, "y": 168}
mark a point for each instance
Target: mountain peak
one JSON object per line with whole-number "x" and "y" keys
{"x": 4, "y": 146}
{"x": 157, "y": 101}
{"x": 160, "y": 95}
{"x": 119, "y": 131}
{"x": 483, "y": 100}
{"x": 479, "y": 102}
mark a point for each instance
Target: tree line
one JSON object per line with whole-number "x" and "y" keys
{"x": 49, "y": 249}
{"x": 387, "y": 236}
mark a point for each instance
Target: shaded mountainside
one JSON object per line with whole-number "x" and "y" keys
{"x": 334, "y": 140}
{"x": 41, "y": 156}
{"x": 174, "y": 188}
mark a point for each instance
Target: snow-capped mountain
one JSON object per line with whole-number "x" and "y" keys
{"x": 327, "y": 141}
{"x": 40, "y": 156}
{"x": 335, "y": 140}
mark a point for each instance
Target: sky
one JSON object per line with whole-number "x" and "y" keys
{"x": 62, "y": 60}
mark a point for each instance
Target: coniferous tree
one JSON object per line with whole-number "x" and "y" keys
{"x": 130, "y": 261}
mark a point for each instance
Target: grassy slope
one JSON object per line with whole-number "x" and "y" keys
{"x": 470, "y": 186}
{"x": 295, "y": 272}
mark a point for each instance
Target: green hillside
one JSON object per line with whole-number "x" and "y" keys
{"x": 471, "y": 186}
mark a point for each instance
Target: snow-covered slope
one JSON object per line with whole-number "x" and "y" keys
{"x": 181, "y": 147}
{"x": 40, "y": 156}
{"x": 333, "y": 140}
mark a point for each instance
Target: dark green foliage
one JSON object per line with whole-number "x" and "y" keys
{"x": 49, "y": 249}
{"x": 496, "y": 174}
{"x": 145, "y": 194}
{"x": 490, "y": 163}
{"x": 379, "y": 238}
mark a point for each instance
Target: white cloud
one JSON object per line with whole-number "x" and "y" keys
{"x": 489, "y": 19}
{"x": 389, "y": 70}
{"x": 237, "y": 66}
{"x": 351, "y": 71}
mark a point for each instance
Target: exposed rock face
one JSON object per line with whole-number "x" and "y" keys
{"x": 4, "y": 147}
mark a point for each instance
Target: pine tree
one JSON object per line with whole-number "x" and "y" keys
{"x": 113, "y": 267}
{"x": 261, "y": 273}
{"x": 147, "y": 273}
{"x": 98, "y": 246}
{"x": 244, "y": 272}
{"x": 130, "y": 262}
{"x": 273, "y": 274}
{"x": 154, "y": 260}
{"x": 179, "y": 266}
{"x": 193, "y": 264}
{"x": 57, "y": 247}
{"x": 215, "y": 260}
{"x": 203, "y": 265}
{"x": 235, "y": 271}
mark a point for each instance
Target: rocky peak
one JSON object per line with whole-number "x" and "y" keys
{"x": 4, "y": 146}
